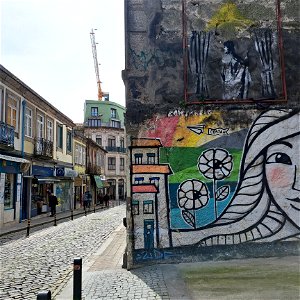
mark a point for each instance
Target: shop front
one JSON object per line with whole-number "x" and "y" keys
{"x": 10, "y": 188}
{"x": 43, "y": 182}
{"x": 65, "y": 188}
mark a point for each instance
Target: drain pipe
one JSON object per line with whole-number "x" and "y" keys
{"x": 23, "y": 126}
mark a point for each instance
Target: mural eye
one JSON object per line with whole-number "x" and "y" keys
{"x": 279, "y": 158}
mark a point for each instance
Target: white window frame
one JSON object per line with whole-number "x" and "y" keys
{"x": 113, "y": 113}
{"x": 28, "y": 122}
{"x": 40, "y": 126}
{"x": 50, "y": 131}
{"x": 13, "y": 107}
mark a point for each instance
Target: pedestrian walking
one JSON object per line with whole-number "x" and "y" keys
{"x": 52, "y": 203}
{"x": 106, "y": 200}
{"x": 87, "y": 199}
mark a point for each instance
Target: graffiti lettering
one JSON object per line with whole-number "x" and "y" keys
{"x": 217, "y": 131}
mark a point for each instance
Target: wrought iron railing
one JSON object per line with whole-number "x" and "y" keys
{"x": 43, "y": 147}
{"x": 7, "y": 135}
{"x": 93, "y": 169}
{"x": 115, "y": 149}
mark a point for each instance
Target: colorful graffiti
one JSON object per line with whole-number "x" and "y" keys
{"x": 208, "y": 195}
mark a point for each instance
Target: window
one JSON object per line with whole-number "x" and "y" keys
{"x": 8, "y": 191}
{"x": 122, "y": 144}
{"x": 28, "y": 122}
{"x": 148, "y": 207}
{"x": 138, "y": 158}
{"x": 98, "y": 158}
{"x": 122, "y": 164}
{"x": 94, "y": 122}
{"x": 12, "y": 112}
{"x": 150, "y": 158}
{"x": 50, "y": 130}
{"x": 115, "y": 124}
{"x": 99, "y": 140}
{"x": 135, "y": 207}
{"x": 111, "y": 163}
{"x": 79, "y": 155}
{"x": 113, "y": 113}
{"x": 59, "y": 136}
{"x": 40, "y": 126}
{"x": 69, "y": 141}
{"x": 94, "y": 111}
{"x": 111, "y": 142}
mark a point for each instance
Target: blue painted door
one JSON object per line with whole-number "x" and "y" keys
{"x": 149, "y": 234}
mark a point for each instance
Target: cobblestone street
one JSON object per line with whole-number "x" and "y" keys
{"x": 43, "y": 261}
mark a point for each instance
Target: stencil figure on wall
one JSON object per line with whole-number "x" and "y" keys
{"x": 235, "y": 74}
{"x": 266, "y": 204}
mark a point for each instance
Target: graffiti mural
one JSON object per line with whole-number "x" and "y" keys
{"x": 207, "y": 195}
{"x": 230, "y": 55}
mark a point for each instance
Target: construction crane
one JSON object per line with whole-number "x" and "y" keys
{"x": 94, "y": 50}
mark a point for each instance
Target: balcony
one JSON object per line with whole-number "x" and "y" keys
{"x": 93, "y": 169}
{"x": 7, "y": 136}
{"x": 115, "y": 149}
{"x": 43, "y": 148}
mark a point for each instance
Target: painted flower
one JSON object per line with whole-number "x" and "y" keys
{"x": 215, "y": 164}
{"x": 192, "y": 194}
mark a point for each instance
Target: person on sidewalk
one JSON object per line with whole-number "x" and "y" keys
{"x": 52, "y": 203}
{"x": 106, "y": 200}
{"x": 87, "y": 199}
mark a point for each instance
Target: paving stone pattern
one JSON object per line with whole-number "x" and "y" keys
{"x": 146, "y": 283}
{"x": 44, "y": 260}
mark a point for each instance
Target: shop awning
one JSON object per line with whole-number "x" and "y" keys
{"x": 47, "y": 180}
{"x": 15, "y": 159}
{"x": 98, "y": 181}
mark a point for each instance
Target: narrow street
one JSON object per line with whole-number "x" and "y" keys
{"x": 44, "y": 260}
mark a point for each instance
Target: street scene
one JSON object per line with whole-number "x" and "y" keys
{"x": 149, "y": 150}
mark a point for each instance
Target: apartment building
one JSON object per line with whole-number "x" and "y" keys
{"x": 36, "y": 148}
{"x": 104, "y": 124}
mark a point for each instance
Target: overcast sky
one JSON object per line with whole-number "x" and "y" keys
{"x": 46, "y": 44}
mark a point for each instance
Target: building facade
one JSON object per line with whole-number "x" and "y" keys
{"x": 36, "y": 152}
{"x": 215, "y": 83}
{"x": 104, "y": 124}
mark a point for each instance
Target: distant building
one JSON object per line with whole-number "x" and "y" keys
{"x": 104, "y": 124}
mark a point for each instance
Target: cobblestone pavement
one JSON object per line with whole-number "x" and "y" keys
{"x": 146, "y": 283}
{"x": 44, "y": 260}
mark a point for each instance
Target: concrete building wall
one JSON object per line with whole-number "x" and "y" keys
{"x": 216, "y": 82}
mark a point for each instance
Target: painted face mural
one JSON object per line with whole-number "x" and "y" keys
{"x": 282, "y": 173}
{"x": 266, "y": 203}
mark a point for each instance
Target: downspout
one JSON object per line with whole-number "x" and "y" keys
{"x": 23, "y": 126}
{"x": 22, "y": 153}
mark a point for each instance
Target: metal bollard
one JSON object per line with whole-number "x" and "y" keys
{"x": 77, "y": 278}
{"x": 44, "y": 295}
{"x": 94, "y": 208}
{"x": 55, "y": 223}
{"x": 28, "y": 227}
{"x": 72, "y": 216}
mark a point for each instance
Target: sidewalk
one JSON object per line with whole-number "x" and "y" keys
{"x": 104, "y": 278}
{"x": 44, "y": 219}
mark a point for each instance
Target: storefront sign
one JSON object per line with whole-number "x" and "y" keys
{"x": 65, "y": 172}
{"x": 42, "y": 171}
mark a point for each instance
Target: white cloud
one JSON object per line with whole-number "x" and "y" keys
{"x": 46, "y": 44}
